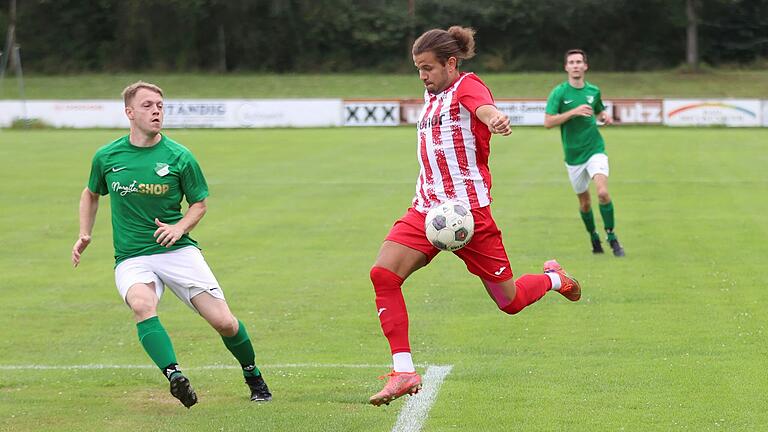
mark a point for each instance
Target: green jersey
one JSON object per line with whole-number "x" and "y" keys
{"x": 580, "y": 136}
{"x": 145, "y": 183}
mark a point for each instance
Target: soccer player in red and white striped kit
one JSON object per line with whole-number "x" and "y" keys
{"x": 454, "y": 132}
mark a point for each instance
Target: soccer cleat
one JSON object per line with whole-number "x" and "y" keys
{"x": 182, "y": 390}
{"x": 259, "y": 390}
{"x": 616, "y": 246}
{"x": 399, "y": 384}
{"x": 597, "y": 247}
{"x": 569, "y": 287}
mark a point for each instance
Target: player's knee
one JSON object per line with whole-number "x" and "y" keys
{"x": 383, "y": 278}
{"x": 603, "y": 196}
{"x": 143, "y": 306}
{"x": 225, "y": 325}
{"x": 509, "y": 309}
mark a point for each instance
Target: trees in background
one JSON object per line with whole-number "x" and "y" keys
{"x": 60, "y": 36}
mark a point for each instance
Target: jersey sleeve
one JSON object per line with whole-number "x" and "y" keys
{"x": 473, "y": 94}
{"x": 553, "y": 102}
{"x": 599, "y": 106}
{"x": 97, "y": 183}
{"x": 193, "y": 183}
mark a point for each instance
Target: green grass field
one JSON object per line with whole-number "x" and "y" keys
{"x": 711, "y": 84}
{"x": 672, "y": 337}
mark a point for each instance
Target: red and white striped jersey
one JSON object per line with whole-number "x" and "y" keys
{"x": 453, "y": 146}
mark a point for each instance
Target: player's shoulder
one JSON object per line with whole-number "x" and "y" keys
{"x": 588, "y": 85}
{"x": 177, "y": 151}
{"x": 470, "y": 77}
{"x": 563, "y": 86}
{"x": 174, "y": 146}
{"x": 470, "y": 83}
{"x": 559, "y": 88}
{"x": 111, "y": 147}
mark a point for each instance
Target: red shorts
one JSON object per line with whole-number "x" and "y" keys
{"x": 484, "y": 255}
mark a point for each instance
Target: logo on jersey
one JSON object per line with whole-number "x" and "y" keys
{"x": 162, "y": 169}
{"x": 501, "y": 270}
{"x": 125, "y": 190}
{"x": 567, "y": 101}
{"x": 142, "y": 188}
{"x": 590, "y": 99}
{"x": 435, "y": 120}
{"x": 116, "y": 169}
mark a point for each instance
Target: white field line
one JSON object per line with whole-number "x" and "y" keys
{"x": 214, "y": 366}
{"x": 411, "y": 418}
{"x": 416, "y": 409}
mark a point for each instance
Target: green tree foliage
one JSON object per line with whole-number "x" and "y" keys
{"x": 60, "y": 36}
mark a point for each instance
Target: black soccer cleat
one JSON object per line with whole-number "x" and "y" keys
{"x": 182, "y": 390}
{"x": 259, "y": 390}
{"x": 597, "y": 247}
{"x": 616, "y": 246}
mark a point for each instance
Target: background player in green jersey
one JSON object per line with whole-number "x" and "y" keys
{"x": 576, "y": 106}
{"x": 146, "y": 175}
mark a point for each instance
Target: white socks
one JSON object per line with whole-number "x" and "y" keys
{"x": 403, "y": 362}
{"x": 555, "y": 278}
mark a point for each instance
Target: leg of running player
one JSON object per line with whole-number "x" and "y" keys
{"x": 235, "y": 336}
{"x": 393, "y": 265}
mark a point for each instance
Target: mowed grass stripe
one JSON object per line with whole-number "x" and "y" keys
{"x": 670, "y": 338}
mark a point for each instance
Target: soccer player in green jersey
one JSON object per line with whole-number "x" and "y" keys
{"x": 576, "y": 106}
{"x": 146, "y": 175}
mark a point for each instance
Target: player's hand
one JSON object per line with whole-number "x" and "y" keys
{"x": 499, "y": 124}
{"x": 167, "y": 234}
{"x": 607, "y": 119}
{"x": 583, "y": 110}
{"x": 79, "y": 247}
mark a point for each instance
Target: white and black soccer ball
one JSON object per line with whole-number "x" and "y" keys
{"x": 449, "y": 226}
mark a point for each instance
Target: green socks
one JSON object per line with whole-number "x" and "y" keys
{"x": 606, "y": 211}
{"x": 589, "y": 223}
{"x": 157, "y": 344}
{"x": 240, "y": 346}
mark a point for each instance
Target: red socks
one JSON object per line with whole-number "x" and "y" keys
{"x": 393, "y": 315}
{"x": 390, "y": 306}
{"x": 530, "y": 288}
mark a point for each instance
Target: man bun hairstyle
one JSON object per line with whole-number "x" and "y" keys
{"x": 130, "y": 91}
{"x": 456, "y": 42}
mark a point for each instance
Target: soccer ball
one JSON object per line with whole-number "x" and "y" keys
{"x": 449, "y": 226}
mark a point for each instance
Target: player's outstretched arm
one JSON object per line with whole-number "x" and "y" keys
{"x": 551, "y": 120}
{"x": 497, "y": 121}
{"x": 89, "y": 205}
{"x": 168, "y": 234}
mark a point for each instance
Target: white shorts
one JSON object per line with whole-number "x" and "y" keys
{"x": 183, "y": 270}
{"x": 580, "y": 175}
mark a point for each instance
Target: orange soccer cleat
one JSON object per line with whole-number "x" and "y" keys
{"x": 570, "y": 287}
{"x": 399, "y": 384}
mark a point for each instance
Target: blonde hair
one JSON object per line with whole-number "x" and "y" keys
{"x": 130, "y": 91}
{"x": 456, "y": 42}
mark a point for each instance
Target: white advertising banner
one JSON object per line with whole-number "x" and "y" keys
{"x": 523, "y": 112}
{"x": 252, "y": 113}
{"x": 181, "y": 113}
{"x": 712, "y": 112}
{"x": 765, "y": 113}
{"x": 371, "y": 113}
{"x": 66, "y": 113}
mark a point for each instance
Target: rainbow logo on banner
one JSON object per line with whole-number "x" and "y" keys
{"x": 712, "y": 105}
